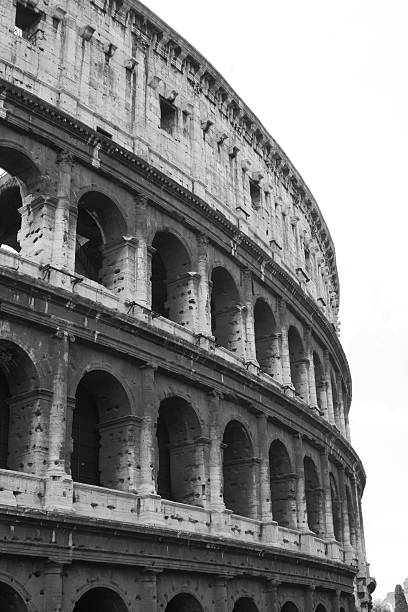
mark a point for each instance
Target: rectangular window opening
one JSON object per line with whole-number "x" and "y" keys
{"x": 26, "y": 21}
{"x": 255, "y": 193}
{"x": 168, "y": 116}
{"x": 186, "y": 124}
{"x": 103, "y": 132}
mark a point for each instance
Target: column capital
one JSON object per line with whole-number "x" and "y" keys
{"x": 65, "y": 157}
{"x": 63, "y": 334}
{"x": 141, "y": 200}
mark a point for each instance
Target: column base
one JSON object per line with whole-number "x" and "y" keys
{"x": 149, "y": 509}
{"x": 334, "y": 550}
{"x": 58, "y": 491}
{"x": 205, "y": 342}
{"x": 269, "y": 532}
{"x": 221, "y": 522}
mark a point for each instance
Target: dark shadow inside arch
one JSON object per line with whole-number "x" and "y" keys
{"x": 238, "y": 471}
{"x": 99, "y": 238}
{"x": 296, "y": 356}
{"x": 283, "y": 486}
{"x": 99, "y": 398}
{"x": 319, "y": 380}
{"x": 320, "y": 608}
{"x": 180, "y": 474}
{"x": 171, "y": 293}
{"x": 245, "y": 604}
{"x": 184, "y": 603}
{"x": 225, "y": 321}
{"x": 100, "y": 599}
{"x": 289, "y": 607}
{"x": 10, "y": 600}
{"x": 313, "y": 494}
{"x": 17, "y": 376}
{"x": 10, "y": 202}
{"x": 336, "y": 509}
{"x": 265, "y": 327}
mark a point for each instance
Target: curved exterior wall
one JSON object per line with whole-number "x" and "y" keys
{"x": 173, "y": 395}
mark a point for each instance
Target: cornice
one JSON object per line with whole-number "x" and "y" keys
{"x": 54, "y": 116}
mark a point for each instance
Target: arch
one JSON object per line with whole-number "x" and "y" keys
{"x": 319, "y": 381}
{"x": 101, "y": 599}
{"x": 245, "y": 604}
{"x": 320, "y": 608}
{"x": 180, "y": 474}
{"x": 265, "y": 327}
{"x": 313, "y": 496}
{"x": 18, "y": 376}
{"x": 10, "y": 599}
{"x": 297, "y": 365}
{"x": 238, "y": 470}
{"x": 289, "y": 606}
{"x": 17, "y": 162}
{"x": 336, "y": 508}
{"x": 183, "y": 602}
{"x": 225, "y": 316}
{"x": 172, "y": 293}
{"x": 283, "y": 485}
{"x": 100, "y": 400}
{"x": 10, "y": 203}
{"x": 100, "y": 232}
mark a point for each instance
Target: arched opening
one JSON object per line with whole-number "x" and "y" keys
{"x": 336, "y": 509}
{"x": 183, "y": 603}
{"x": 172, "y": 287}
{"x": 17, "y": 174}
{"x": 298, "y": 370}
{"x": 351, "y": 517}
{"x": 102, "y": 600}
{"x": 245, "y": 604}
{"x": 226, "y": 321}
{"x": 180, "y": 475}
{"x": 319, "y": 382}
{"x": 10, "y": 600}
{"x": 10, "y": 202}
{"x": 265, "y": 327}
{"x": 313, "y": 496}
{"x": 289, "y": 607}
{"x": 98, "y": 456}
{"x": 320, "y": 608}
{"x": 238, "y": 471}
{"x": 283, "y": 485}
{"x": 17, "y": 379}
{"x": 100, "y": 245}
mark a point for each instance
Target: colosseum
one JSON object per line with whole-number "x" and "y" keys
{"x": 174, "y": 397}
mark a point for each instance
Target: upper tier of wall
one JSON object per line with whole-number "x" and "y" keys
{"x": 118, "y": 68}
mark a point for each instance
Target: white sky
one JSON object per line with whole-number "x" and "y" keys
{"x": 329, "y": 81}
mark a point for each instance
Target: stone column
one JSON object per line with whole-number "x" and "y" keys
{"x": 322, "y": 391}
{"x": 347, "y": 426}
{"x": 237, "y": 323}
{"x": 359, "y": 530}
{"x": 59, "y": 483}
{"x": 147, "y": 484}
{"x": 63, "y": 244}
{"x": 303, "y": 368}
{"x": 336, "y": 601}
{"x": 204, "y": 309}
{"x": 300, "y": 489}
{"x": 340, "y": 421}
{"x": 250, "y": 346}
{"x": 53, "y": 579}
{"x": 142, "y": 263}
{"x": 276, "y": 361}
{"x": 311, "y": 372}
{"x": 220, "y": 591}
{"x": 271, "y": 595}
{"x": 265, "y": 507}
{"x": 216, "y": 455}
{"x": 284, "y": 353}
{"x": 148, "y": 581}
{"x": 328, "y": 510}
{"x": 330, "y": 408}
{"x": 118, "y": 268}
{"x": 309, "y": 597}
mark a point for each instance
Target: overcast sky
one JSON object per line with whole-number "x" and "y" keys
{"x": 329, "y": 81}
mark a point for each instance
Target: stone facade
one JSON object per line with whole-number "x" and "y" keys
{"x": 174, "y": 398}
